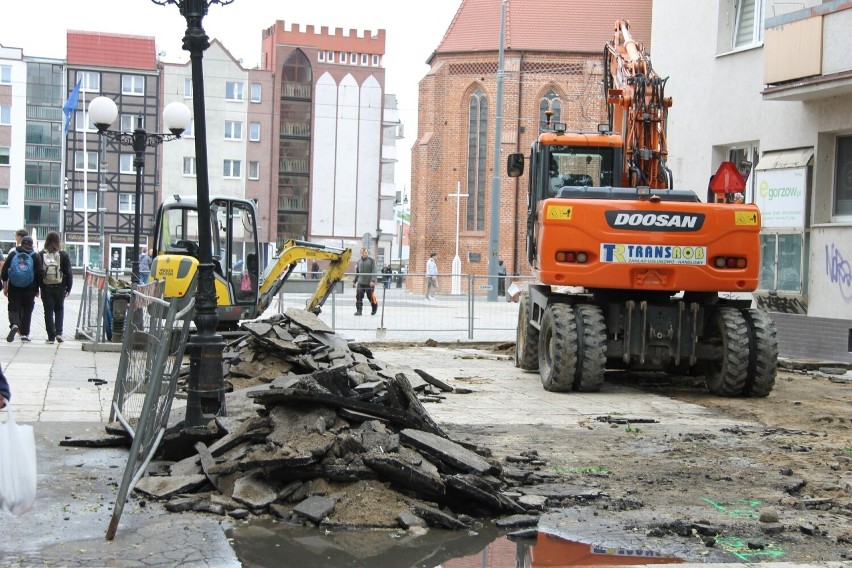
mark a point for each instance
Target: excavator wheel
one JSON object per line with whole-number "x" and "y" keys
{"x": 728, "y": 333}
{"x": 591, "y": 347}
{"x": 763, "y": 353}
{"x": 557, "y": 348}
{"x": 526, "y": 337}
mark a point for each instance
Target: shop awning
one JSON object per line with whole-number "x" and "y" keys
{"x": 798, "y": 158}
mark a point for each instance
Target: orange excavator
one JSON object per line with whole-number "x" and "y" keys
{"x": 631, "y": 270}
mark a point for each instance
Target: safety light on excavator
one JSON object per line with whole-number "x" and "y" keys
{"x": 560, "y": 127}
{"x": 643, "y": 192}
{"x": 603, "y": 128}
{"x": 571, "y": 256}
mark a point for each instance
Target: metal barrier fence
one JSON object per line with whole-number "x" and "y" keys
{"x": 155, "y": 335}
{"x": 404, "y": 313}
{"x": 90, "y": 317}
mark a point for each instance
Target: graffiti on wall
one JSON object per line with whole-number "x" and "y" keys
{"x": 771, "y": 301}
{"x": 838, "y": 270}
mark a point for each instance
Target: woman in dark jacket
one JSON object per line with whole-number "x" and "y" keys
{"x": 55, "y": 285}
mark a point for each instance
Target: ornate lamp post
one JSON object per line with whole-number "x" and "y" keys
{"x": 103, "y": 112}
{"x": 206, "y": 390}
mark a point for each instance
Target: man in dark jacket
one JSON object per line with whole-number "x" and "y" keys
{"x": 365, "y": 278}
{"x": 21, "y": 298}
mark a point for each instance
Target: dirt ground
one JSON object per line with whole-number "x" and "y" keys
{"x": 776, "y": 488}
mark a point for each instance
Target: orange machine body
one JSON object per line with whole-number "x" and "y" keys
{"x": 647, "y": 245}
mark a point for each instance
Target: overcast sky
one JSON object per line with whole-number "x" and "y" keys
{"x": 413, "y": 31}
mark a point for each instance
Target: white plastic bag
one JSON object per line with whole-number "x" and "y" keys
{"x": 17, "y": 466}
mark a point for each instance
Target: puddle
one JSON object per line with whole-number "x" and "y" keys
{"x": 262, "y": 544}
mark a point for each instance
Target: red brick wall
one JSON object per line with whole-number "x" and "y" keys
{"x": 439, "y": 155}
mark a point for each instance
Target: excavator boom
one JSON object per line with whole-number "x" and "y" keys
{"x": 286, "y": 259}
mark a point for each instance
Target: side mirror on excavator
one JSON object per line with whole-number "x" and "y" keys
{"x": 515, "y": 165}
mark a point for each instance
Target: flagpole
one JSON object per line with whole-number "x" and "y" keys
{"x": 85, "y": 185}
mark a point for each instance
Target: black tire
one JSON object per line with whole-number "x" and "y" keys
{"x": 728, "y": 333}
{"x": 526, "y": 337}
{"x": 591, "y": 347}
{"x": 763, "y": 353}
{"x": 557, "y": 349}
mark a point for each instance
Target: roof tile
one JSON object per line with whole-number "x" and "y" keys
{"x": 581, "y": 26}
{"x": 111, "y": 50}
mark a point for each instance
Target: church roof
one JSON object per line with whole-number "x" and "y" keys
{"x": 580, "y": 26}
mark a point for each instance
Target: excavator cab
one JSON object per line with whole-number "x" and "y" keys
{"x": 234, "y": 251}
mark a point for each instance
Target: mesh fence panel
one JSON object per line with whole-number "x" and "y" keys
{"x": 90, "y": 318}
{"x": 155, "y": 337}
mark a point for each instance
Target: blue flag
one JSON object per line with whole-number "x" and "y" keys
{"x": 70, "y": 106}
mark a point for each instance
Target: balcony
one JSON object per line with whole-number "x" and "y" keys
{"x": 806, "y": 53}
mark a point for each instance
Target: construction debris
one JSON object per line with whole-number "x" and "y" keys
{"x": 337, "y": 439}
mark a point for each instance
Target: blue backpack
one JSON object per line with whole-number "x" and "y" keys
{"x": 22, "y": 271}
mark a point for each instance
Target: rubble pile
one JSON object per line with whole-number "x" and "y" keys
{"x": 331, "y": 436}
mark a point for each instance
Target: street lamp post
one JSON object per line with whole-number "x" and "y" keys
{"x": 206, "y": 382}
{"x": 103, "y": 112}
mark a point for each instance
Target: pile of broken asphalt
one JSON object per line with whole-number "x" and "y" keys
{"x": 331, "y": 437}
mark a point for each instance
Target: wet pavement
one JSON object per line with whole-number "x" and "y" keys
{"x": 58, "y": 388}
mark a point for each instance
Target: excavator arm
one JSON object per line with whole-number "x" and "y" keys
{"x": 638, "y": 109}
{"x": 285, "y": 260}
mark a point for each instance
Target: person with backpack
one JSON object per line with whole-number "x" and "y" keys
{"x": 55, "y": 285}
{"x": 21, "y": 275}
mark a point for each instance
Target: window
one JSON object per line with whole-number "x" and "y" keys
{"x": 80, "y": 118}
{"x": 233, "y": 130}
{"x": 91, "y": 201}
{"x": 190, "y": 130}
{"x": 375, "y": 61}
{"x": 254, "y": 132}
{"x": 129, "y": 122}
{"x": 90, "y": 159}
{"x": 365, "y": 59}
{"x": 843, "y": 176}
{"x": 255, "y": 92}
{"x": 321, "y": 56}
{"x": 6, "y": 74}
{"x": 477, "y": 146}
{"x": 4, "y": 196}
{"x": 781, "y": 262}
{"x": 187, "y": 88}
{"x": 91, "y": 81}
{"x": 254, "y": 170}
{"x": 550, "y": 102}
{"x": 748, "y": 27}
{"x": 353, "y": 58}
{"x": 4, "y": 156}
{"x": 189, "y": 166}
{"x": 5, "y": 114}
{"x": 231, "y": 169}
{"x": 234, "y": 91}
{"x": 133, "y": 85}
{"x": 125, "y": 164}
{"x": 341, "y": 57}
{"x": 126, "y": 203}
{"x": 330, "y": 56}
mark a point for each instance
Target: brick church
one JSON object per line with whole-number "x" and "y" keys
{"x": 553, "y": 60}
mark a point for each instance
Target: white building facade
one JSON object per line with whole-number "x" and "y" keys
{"x": 771, "y": 83}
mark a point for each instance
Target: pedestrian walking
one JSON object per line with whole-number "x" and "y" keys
{"x": 365, "y": 281}
{"x": 431, "y": 277}
{"x": 315, "y": 270}
{"x": 144, "y": 266}
{"x": 386, "y": 276}
{"x": 21, "y": 276}
{"x": 55, "y": 286}
{"x": 19, "y": 234}
{"x": 501, "y": 279}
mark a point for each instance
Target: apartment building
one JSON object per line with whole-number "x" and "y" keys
{"x": 770, "y": 82}
{"x": 309, "y": 133}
